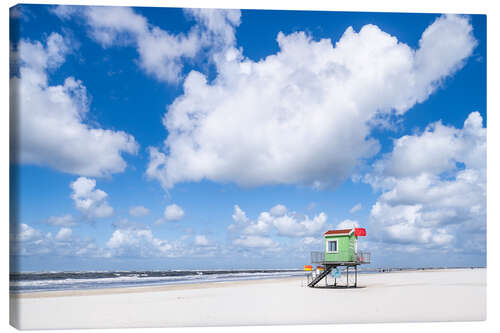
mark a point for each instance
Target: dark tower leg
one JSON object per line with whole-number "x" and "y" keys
{"x": 355, "y": 276}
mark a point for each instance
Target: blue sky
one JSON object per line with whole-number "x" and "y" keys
{"x": 159, "y": 138}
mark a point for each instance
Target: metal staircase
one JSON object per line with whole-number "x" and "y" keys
{"x": 320, "y": 276}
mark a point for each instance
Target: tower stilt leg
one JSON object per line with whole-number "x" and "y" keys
{"x": 355, "y": 276}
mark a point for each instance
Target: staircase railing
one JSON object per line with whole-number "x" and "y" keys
{"x": 362, "y": 257}
{"x": 317, "y": 257}
{"x": 320, "y": 276}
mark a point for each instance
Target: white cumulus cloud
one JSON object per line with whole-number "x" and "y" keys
{"x": 255, "y": 242}
{"x": 26, "y": 233}
{"x": 201, "y": 240}
{"x": 433, "y": 188}
{"x": 291, "y": 226}
{"x": 161, "y": 53}
{"x": 138, "y": 211}
{"x": 90, "y": 201}
{"x": 278, "y": 210}
{"x": 27, "y": 241}
{"x": 134, "y": 242}
{"x": 173, "y": 212}
{"x": 356, "y": 208}
{"x": 288, "y": 224}
{"x": 62, "y": 221}
{"x": 312, "y": 241}
{"x": 64, "y": 234}
{"x": 347, "y": 224}
{"x": 50, "y": 128}
{"x": 303, "y": 115}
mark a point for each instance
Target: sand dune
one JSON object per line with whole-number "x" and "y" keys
{"x": 441, "y": 295}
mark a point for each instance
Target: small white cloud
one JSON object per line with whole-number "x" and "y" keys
{"x": 64, "y": 12}
{"x": 138, "y": 211}
{"x": 285, "y": 223}
{"x": 173, "y": 213}
{"x": 159, "y": 221}
{"x": 26, "y": 233}
{"x": 243, "y": 225}
{"x": 355, "y": 208}
{"x": 278, "y": 210}
{"x": 126, "y": 224}
{"x": 29, "y": 241}
{"x": 255, "y": 242}
{"x": 312, "y": 241}
{"x": 201, "y": 240}
{"x": 88, "y": 200}
{"x": 62, "y": 221}
{"x": 64, "y": 234}
{"x": 239, "y": 215}
{"x": 291, "y": 226}
{"x": 138, "y": 243}
{"x": 311, "y": 206}
{"x": 347, "y": 224}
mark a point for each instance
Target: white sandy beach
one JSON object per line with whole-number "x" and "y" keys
{"x": 439, "y": 295}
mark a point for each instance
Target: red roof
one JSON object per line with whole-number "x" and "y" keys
{"x": 357, "y": 232}
{"x": 338, "y": 232}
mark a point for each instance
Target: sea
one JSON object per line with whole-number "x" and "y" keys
{"x": 54, "y": 281}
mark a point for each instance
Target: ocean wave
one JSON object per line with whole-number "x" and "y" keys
{"x": 94, "y": 280}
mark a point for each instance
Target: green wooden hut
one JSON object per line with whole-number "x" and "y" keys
{"x": 341, "y": 246}
{"x": 340, "y": 249}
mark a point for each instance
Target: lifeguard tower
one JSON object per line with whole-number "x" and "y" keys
{"x": 340, "y": 250}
